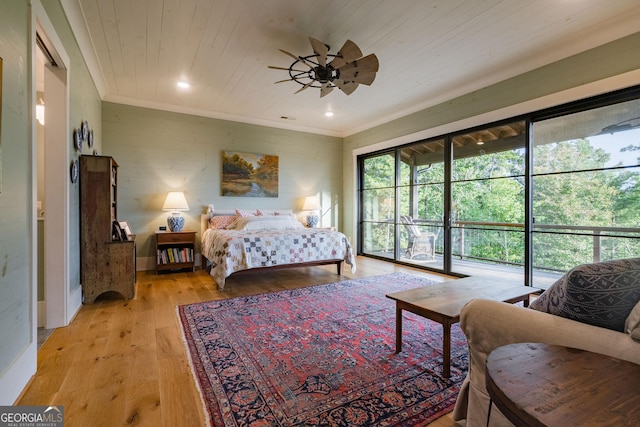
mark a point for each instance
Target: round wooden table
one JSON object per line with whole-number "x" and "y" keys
{"x": 537, "y": 384}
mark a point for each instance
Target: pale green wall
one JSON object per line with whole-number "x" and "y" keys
{"x": 15, "y": 141}
{"x": 612, "y": 59}
{"x": 17, "y": 161}
{"x": 160, "y": 151}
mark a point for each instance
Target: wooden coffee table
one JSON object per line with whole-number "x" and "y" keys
{"x": 547, "y": 385}
{"x": 442, "y": 303}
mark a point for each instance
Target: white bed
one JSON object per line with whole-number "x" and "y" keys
{"x": 274, "y": 239}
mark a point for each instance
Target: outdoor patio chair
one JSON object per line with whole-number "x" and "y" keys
{"x": 420, "y": 243}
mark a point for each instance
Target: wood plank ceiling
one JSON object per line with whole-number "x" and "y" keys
{"x": 429, "y": 51}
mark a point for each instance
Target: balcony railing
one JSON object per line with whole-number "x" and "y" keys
{"x": 556, "y": 248}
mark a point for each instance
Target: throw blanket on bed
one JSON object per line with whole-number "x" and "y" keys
{"x": 235, "y": 250}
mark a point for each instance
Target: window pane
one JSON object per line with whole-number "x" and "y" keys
{"x": 379, "y": 171}
{"x": 378, "y": 204}
{"x": 601, "y": 138}
{"x": 489, "y": 153}
{"x": 422, "y": 163}
{"x": 378, "y": 239}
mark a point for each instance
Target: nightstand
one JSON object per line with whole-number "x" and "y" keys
{"x": 323, "y": 228}
{"x": 175, "y": 250}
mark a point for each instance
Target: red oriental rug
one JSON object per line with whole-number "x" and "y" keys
{"x": 321, "y": 356}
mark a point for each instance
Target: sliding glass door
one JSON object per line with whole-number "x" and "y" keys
{"x": 378, "y": 205}
{"x": 488, "y": 200}
{"x": 405, "y": 194}
{"x": 421, "y": 199}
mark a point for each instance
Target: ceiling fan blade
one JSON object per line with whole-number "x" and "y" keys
{"x": 325, "y": 89}
{"x": 349, "y": 52}
{"x": 282, "y": 81}
{"x": 297, "y": 58}
{"x": 305, "y": 86}
{"x": 321, "y": 50}
{"x": 367, "y": 64}
{"x": 364, "y": 77}
{"x": 273, "y": 67}
{"x": 346, "y": 87}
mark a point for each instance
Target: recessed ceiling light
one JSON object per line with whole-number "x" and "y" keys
{"x": 183, "y": 85}
{"x": 329, "y": 114}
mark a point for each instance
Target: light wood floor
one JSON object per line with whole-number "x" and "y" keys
{"x": 122, "y": 362}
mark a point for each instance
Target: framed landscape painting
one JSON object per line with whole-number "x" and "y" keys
{"x": 249, "y": 175}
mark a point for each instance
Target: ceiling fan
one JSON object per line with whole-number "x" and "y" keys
{"x": 345, "y": 70}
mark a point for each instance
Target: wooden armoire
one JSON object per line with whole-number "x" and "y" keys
{"x": 107, "y": 258}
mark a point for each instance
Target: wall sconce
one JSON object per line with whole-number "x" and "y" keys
{"x": 312, "y": 204}
{"x": 175, "y": 202}
{"x": 40, "y": 111}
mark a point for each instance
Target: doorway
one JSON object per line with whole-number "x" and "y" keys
{"x": 51, "y": 184}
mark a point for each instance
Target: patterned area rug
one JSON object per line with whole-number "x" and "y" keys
{"x": 321, "y": 356}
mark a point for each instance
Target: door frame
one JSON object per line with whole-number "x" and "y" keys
{"x": 57, "y": 151}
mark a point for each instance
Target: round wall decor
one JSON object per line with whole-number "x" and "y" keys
{"x": 85, "y": 130}
{"x": 77, "y": 139}
{"x": 74, "y": 171}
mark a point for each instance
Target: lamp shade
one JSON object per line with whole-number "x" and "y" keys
{"x": 311, "y": 203}
{"x": 175, "y": 201}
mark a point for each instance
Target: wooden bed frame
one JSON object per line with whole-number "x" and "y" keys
{"x": 206, "y": 264}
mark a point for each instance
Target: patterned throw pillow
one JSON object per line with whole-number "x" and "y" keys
{"x": 600, "y": 294}
{"x": 222, "y": 221}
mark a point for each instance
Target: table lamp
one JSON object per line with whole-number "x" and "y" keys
{"x": 175, "y": 202}
{"x": 312, "y": 204}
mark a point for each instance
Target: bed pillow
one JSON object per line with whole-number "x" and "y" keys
{"x": 242, "y": 213}
{"x": 600, "y": 294}
{"x": 262, "y": 212}
{"x": 255, "y": 223}
{"x": 221, "y": 221}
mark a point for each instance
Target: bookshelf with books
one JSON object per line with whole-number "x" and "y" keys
{"x": 175, "y": 250}
{"x": 107, "y": 261}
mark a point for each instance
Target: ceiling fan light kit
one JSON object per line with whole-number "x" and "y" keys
{"x": 345, "y": 70}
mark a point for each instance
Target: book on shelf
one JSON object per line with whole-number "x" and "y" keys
{"x": 175, "y": 255}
